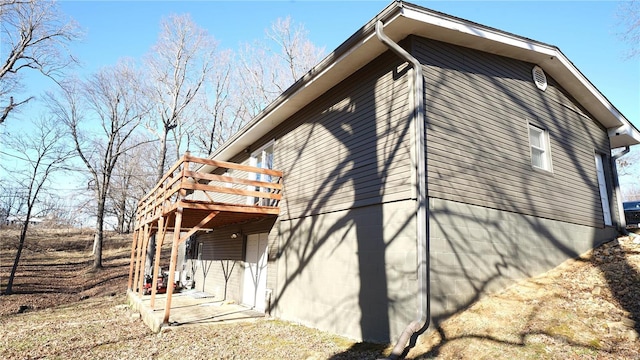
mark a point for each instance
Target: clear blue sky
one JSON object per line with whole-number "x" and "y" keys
{"x": 585, "y": 31}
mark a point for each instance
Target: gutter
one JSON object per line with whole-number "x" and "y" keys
{"x": 422, "y": 321}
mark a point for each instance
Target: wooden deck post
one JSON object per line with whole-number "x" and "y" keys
{"x": 141, "y": 234}
{"x": 162, "y": 230}
{"x": 143, "y": 257}
{"x": 172, "y": 265}
{"x": 176, "y": 239}
{"x": 136, "y": 281}
{"x": 133, "y": 257}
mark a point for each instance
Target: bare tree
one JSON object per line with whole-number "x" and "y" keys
{"x": 119, "y": 193}
{"x": 12, "y": 199}
{"x": 132, "y": 178}
{"x": 178, "y": 67}
{"x": 297, "y": 53}
{"x": 111, "y": 97}
{"x": 629, "y": 15}
{"x": 628, "y": 164}
{"x": 270, "y": 66}
{"x": 35, "y": 35}
{"x": 42, "y": 154}
{"x": 220, "y": 118}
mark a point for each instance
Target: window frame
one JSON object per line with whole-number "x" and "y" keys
{"x": 545, "y": 150}
{"x": 253, "y": 161}
{"x": 603, "y": 188}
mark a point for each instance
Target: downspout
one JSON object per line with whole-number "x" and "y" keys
{"x": 421, "y": 323}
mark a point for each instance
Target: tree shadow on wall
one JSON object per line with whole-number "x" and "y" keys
{"x": 349, "y": 185}
{"x": 474, "y": 253}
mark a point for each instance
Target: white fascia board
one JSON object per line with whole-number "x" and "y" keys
{"x": 625, "y": 135}
{"x": 476, "y": 30}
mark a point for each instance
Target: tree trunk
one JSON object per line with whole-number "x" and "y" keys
{"x": 130, "y": 220}
{"x": 151, "y": 250}
{"x": 122, "y": 208}
{"x": 163, "y": 156}
{"x": 14, "y": 268}
{"x": 97, "y": 240}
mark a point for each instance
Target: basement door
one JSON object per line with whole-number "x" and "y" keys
{"x": 255, "y": 272}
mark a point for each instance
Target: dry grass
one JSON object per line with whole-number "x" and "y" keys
{"x": 75, "y": 312}
{"x": 583, "y": 309}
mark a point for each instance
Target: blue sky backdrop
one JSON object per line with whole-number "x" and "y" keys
{"x": 587, "y": 32}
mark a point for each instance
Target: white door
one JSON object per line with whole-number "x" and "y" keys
{"x": 602, "y": 183}
{"x": 255, "y": 272}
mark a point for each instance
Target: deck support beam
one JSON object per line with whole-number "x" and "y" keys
{"x": 162, "y": 231}
{"x": 136, "y": 280}
{"x": 143, "y": 258}
{"x": 132, "y": 261}
{"x": 172, "y": 266}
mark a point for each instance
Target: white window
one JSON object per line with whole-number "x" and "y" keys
{"x": 262, "y": 158}
{"x": 540, "y": 154}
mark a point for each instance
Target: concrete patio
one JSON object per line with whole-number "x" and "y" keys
{"x": 189, "y": 307}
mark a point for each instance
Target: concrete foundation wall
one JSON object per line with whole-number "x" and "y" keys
{"x": 350, "y": 272}
{"x": 477, "y": 250}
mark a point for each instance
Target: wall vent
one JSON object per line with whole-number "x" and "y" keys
{"x": 539, "y": 78}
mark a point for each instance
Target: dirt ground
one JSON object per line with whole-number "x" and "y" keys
{"x": 586, "y": 308}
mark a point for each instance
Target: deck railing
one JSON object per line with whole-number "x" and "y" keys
{"x": 194, "y": 182}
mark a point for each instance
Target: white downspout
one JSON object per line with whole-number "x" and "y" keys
{"x": 421, "y": 323}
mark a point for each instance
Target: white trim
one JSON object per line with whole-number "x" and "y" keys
{"x": 545, "y": 150}
{"x": 469, "y": 28}
{"x": 254, "y": 162}
{"x": 602, "y": 186}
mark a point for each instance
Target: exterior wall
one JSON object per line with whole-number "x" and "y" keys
{"x": 342, "y": 252}
{"x": 350, "y": 147}
{"x": 476, "y": 250}
{"x": 220, "y": 270}
{"x": 344, "y": 243}
{"x": 346, "y": 260}
{"x": 478, "y": 107}
{"x": 350, "y": 272}
{"x": 494, "y": 218}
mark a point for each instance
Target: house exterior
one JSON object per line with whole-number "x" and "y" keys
{"x": 417, "y": 180}
{"x": 19, "y": 220}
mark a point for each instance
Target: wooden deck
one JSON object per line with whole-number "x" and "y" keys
{"x": 197, "y": 194}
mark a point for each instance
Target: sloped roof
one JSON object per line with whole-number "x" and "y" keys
{"x": 402, "y": 19}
